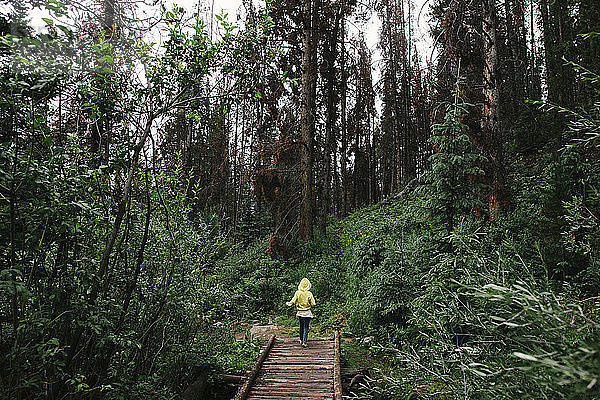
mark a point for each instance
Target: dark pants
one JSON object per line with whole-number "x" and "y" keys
{"x": 304, "y": 321}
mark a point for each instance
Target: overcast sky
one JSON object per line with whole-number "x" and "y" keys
{"x": 370, "y": 29}
{"x": 231, "y": 7}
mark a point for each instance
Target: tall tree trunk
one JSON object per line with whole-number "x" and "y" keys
{"x": 344, "y": 147}
{"x": 489, "y": 118}
{"x": 558, "y": 38}
{"x": 516, "y": 61}
{"x": 309, "y": 88}
{"x": 330, "y": 57}
{"x": 534, "y": 90}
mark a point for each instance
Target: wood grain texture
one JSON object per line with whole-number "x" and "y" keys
{"x": 289, "y": 371}
{"x": 242, "y": 393}
{"x": 337, "y": 374}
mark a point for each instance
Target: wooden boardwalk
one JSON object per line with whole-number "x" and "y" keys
{"x": 285, "y": 370}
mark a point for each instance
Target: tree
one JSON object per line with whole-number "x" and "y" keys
{"x": 307, "y": 124}
{"x": 558, "y": 38}
{"x": 490, "y": 118}
{"x": 454, "y": 180}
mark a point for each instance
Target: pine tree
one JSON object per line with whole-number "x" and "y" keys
{"x": 454, "y": 179}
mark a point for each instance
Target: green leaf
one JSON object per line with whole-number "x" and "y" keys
{"x": 65, "y": 30}
{"x": 525, "y": 356}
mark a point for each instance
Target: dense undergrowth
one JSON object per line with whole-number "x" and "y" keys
{"x": 442, "y": 301}
{"x": 461, "y": 307}
{"x": 498, "y": 309}
{"x": 483, "y": 311}
{"x": 478, "y": 312}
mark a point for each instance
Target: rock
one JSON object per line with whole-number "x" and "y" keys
{"x": 264, "y": 331}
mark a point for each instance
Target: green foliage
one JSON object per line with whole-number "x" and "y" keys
{"x": 151, "y": 321}
{"x": 259, "y": 286}
{"x": 490, "y": 336}
{"x": 476, "y": 322}
{"x": 455, "y": 174}
{"x": 445, "y": 306}
{"x": 508, "y": 309}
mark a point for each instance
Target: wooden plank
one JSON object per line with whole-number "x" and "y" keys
{"x": 303, "y": 369}
{"x": 293, "y": 380}
{"x": 291, "y": 392}
{"x": 300, "y": 366}
{"x": 304, "y": 355}
{"x": 295, "y": 396}
{"x": 293, "y": 388}
{"x": 313, "y": 352}
{"x": 292, "y": 361}
{"x": 310, "y": 339}
{"x": 309, "y": 343}
{"x": 337, "y": 375}
{"x": 296, "y": 386}
{"x": 306, "y": 360}
{"x": 298, "y": 350}
{"x": 295, "y": 376}
{"x": 325, "y": 378}
{"x": 288, "y": 397}
{"x": 256, "y": 397}
{"x": 245, "y": 388}
{"x": 314, "y": 359}
{"x": 319, "y": 372}
{"x": 311, "y": 347}
{"x": 289, "y": 371}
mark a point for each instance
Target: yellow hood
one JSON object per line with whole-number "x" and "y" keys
{"x": 304, "y": 285}
{"x": 303, "y": 299}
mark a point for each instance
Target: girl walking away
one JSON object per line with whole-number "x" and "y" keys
{"x": 304, "y": 300}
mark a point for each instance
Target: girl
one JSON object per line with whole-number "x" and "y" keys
{"x": 304, "y": 300}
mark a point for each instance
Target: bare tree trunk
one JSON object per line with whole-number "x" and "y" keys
{"x": 344, "y": 147}
{"x": 13, "y": 229}
{"x": 557, "y": 33}
{"x": 234, "y": 159}
{"x": 309, "y": 88}
{"x": 515, "y": 63}
{"x": 534, "y": 90}
{"x": 330, "y": 57}
{"x": 370, "y": 163}
{"x": 489, "y": 118}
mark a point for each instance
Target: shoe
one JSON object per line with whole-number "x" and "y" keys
{"x": 304, "y": 345}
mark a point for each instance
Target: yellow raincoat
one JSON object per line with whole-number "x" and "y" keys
{"x": 303, "y": 299}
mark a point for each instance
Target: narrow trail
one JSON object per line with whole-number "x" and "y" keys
{"x": 285, "y": 370}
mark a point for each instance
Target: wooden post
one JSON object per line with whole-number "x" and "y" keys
{"x": 245, "y": 388}
{"x": 337, "y": 374}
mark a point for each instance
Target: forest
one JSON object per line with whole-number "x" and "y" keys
{"x": 169, "y": 173}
